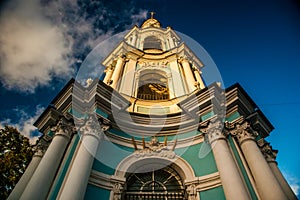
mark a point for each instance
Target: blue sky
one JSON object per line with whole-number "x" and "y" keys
{"x": 255, "y": 43}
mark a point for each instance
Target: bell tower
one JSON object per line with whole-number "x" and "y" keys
{"x": 152, "y": 66}
{"x": 152, "y": 129}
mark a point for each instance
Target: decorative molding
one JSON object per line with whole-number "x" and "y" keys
{"x": 155, "y": 148}
{"x": 100, "y": 180}
{"x": 192, "y": 191}
{"x": 205, "y": 182}
{"x": 117, "y": 191}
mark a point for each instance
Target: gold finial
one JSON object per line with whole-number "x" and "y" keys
{"x": 152, "y": 14}
{"x": 151, "y": 22}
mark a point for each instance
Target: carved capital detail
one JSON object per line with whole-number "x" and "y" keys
{"x": 183, "y": 59}
{"x": 242, "y": 131}
{"x": 41, "y": 147}
{"x": 214, "y": 131}
{"x": 192, "y": 191}
{"x": 117, "y": 190}
{"x": 109, "y": 68}
{"x": 269, "y": 153}
{"x": 93, "y": 127}
{"x": 64, "y": 128}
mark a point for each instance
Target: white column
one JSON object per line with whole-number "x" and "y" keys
{"x": 133, "y": 39}
{"x": 42, "y": 179}
{"x": 22, "y": 183}
{"x": 284, "y": 184}
{"x": 267, "y": 184}
{"x": 188, "y": 74}
{"x": 199, "y": 79}
{"x": 117, "y": 72}
{"x": 76, "y": 182}
{"x": 108, "y": 71}
{"x": 127, "y": 81}
{"x": 270, "y": 156}
{"x": 171, "y": 42}
{"x": 233, "y": 185}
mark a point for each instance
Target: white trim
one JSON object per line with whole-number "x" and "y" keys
{"x": 133, "y": 163}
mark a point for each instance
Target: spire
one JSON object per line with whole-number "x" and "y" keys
{"x": 152, "y": 14}
{"x": 151, "y": 22}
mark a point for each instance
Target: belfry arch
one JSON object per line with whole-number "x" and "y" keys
{"x": 153, "y": 84}
{"x": 152, "y": 42}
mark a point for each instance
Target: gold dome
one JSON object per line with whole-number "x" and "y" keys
{"x": 151, "y": 22}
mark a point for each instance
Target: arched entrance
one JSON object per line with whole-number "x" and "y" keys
{"x": 154, "y": 177}
{"x": 162, "y": 184}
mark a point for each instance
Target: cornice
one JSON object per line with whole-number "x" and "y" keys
{"x": 237, "y": 100}
{"x": 48, "y": 118}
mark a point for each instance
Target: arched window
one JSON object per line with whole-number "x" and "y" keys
{"x": 153, "y": 85}
{"x": 152, "y": 42}
{"x": 161, "y": 184}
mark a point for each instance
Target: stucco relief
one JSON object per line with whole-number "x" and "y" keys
{"x": 155, "y": 148}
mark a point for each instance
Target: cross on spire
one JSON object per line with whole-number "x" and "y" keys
{"x": 152, "y": 14}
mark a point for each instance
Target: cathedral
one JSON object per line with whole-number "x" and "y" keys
{"x": 152, "y": 128}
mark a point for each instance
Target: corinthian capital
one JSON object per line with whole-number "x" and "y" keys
{"x": 267, "y": 150}
{"x": 243, "y": 132}
{"x": 64, "y": 127}
{"x": 41, "y": 147}
{"x": 214, "y": 130}
{"x": 93, "y": 127}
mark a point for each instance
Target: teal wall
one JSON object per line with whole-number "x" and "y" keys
{"x": 200, "y": 157}
{"x": 213, "y": 194}
{"x": 109, "y": 155}
{"x": 94, "y": 192}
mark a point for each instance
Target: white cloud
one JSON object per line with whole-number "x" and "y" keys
{"x": 141, "y": 15}
{"x": 32, "y": 49}
{"x": 295, "y": 188}
{"x": 42, "y": 39}
{"x": 25, "y": 123}
{"x": 293, "y": 181}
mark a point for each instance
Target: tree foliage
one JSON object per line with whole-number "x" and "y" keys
{"x": 15, "y": 154}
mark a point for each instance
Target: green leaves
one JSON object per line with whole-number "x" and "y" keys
{"x": 15, "y": 154}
